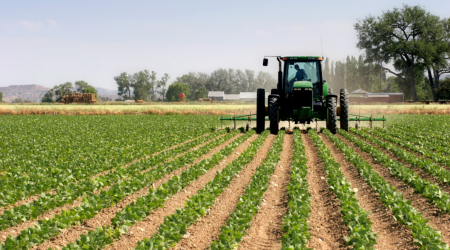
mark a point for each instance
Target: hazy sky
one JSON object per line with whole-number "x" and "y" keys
{"x": 52, "y": 42}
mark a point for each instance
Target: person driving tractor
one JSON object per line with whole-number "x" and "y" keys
{"x": 301, "y": 74}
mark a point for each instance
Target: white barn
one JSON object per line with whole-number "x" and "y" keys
{"x": 216, "y": 95}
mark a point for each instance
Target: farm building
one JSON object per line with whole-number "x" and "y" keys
{"x": 216, "y": 95}
{"x": 362, "y": 96}
{"x": 231, "y": 97}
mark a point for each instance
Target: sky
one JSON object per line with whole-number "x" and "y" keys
{"x": 52, "y": 42}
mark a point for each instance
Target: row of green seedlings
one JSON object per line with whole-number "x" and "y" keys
{"x": 93, "y": 204}
{"x": 425, "y": 236}
{"x": 295, "y": 224}
{"x": 17, "y": 186}
{"x": 68, "y": 194}
{"x": 247, "y": 207}
{"x": 357, "y": 220}
{"x": 431, "y": 191}
{"x": 422, "y": 142}
{"x": 139, "y": 210}
{"x": 435, "y": 131}
{"x": 414, "y": 146}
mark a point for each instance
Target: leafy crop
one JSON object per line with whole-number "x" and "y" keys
{"x": 357, "y": 220}
{"x": 425, "y": 236}
{"x": 295, "y": 225}
{"x": 429, "y": 190}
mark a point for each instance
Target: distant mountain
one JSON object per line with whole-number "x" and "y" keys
{"x": 111, "y": 94}
{"x": 26, "y": 92}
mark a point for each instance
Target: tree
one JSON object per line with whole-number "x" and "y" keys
{"x": 90, "y": 89}
{"x": 176, "y": 89}
{"x": 1, "y": 97}
{"x": 80, "y": 85}
{"x": 397, "y": 37}
{"x": 153, "y": 83}
{"x": 62, "y": 90}
{"x": 162, "y": 85}
{"x": 444, "y": 92}
{"x": 48, "y": 97}
{"x": 141, "y": 82}
{"x": 124, "y": 85}
{"x": 201, "y": 93}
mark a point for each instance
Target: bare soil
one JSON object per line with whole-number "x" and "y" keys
{"x": 207, "y": 229}
{"x": 266, "y": 227}
{"x": 391, "y": 235}
{"x": 104, "y": 216}
{"x": 150, "y": 225}
{"x": 437, "y": 219}
{"x": 327, "y": 228}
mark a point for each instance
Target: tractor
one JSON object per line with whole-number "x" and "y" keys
{"x": 302, "y": 96}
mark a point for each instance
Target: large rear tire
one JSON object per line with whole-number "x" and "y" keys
{"x": 273, "y": 115}
{"x": 343, "y": 95}
{"x": 331, "y": 115}
{"x": 260, "y": 110}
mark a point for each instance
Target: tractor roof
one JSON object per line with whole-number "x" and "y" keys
{"x": 302, "y": 58}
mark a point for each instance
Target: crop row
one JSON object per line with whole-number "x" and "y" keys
{"x": 414, "y": 145}
{"x": 429, "y": 190}
{"x": 92, "y": 204}
{"x": 41, "y": 175}
{"x": 247, "y": 207}
{"x": 295, "y": 224}
{"x": 139, "y": 210}
{"x": 68, "y": 194}
{"x": 425, "y": 236}
{"x": 357, "y": 220}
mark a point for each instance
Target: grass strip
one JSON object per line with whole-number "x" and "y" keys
{"x": 357, "y": 220}
{"x": 68, "y": 194}
{"x": 295, "y": 225}
{"x": 248, "y": 205}
{"x": 93, "y": 204}
{"x": 425, "y": 236}
{"x": 429, "y": 190}
{"x": 175, "y": 225}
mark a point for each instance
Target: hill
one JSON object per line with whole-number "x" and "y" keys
{"x": 31, "y": 92}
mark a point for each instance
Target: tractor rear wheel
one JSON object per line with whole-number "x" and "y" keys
{"x": 273, "y": 115}
{"x": 331, "y": 115}
{"x": 343, "y": 95}
{"x": 260, "y": 110}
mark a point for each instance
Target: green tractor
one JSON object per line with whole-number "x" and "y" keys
{"x": 302, "y": 96}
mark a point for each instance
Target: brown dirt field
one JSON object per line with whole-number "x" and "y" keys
{"x": 150, "y": 225}
{"x": 424, "y": 175}
{"x": 36, "y": 197}
{"x": 266, "y": 227}
{"x": 327, "y": 228}
{"x": 72, "y": 233}
{"x": 391, "y": 235}
{"x": 208, "y": 228}
{"x": 437, "y": 219}
{"x": 14, "y": 231}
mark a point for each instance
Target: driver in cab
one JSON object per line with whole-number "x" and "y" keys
{"x": 300, "y": 75}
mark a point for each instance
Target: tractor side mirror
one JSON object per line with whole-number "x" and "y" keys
{"x": 265, "y": 62}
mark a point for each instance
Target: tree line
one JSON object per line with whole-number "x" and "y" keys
{"x": 415, "y": 42}
{"x": 144, "y": 85}
{"x": 57, "y": 93}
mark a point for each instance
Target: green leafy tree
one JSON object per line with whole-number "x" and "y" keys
{"x": 444, "y": 92}
{"x": 90, "y": 89}
{"x": 48, "y": 97}
{"x": 1, "y": 97}
{"x": 176, "y": 89}
{"x": 80, "y": 85}
{"x": 397, "y": 37}
{"x": 123, "y": 82}
{"x": 162, "y": 85}
{"x": 62, "y": 90}
{"x": 141, "y": 82}
{"x": 201, "y": 93}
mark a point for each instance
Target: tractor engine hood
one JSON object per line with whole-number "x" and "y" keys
{"x": 303, "y": 84}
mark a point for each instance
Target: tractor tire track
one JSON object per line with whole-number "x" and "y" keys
{"x": 266, "y": 227}
{"x": 150, "y": 225}
{"x": 391, "y": 235}
{"x": 327, "y": 227}
{"x": 437, "y": 219}
{"x": 206, "y": 230}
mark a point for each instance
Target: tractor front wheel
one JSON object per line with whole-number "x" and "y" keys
{"x": 273, "y": 115}
{"x": 260, "y": 110}
{"x": 331, "y": 115}
{"x": 343, "y": 96}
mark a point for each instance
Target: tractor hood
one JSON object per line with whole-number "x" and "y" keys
{"x": 303, "y": 84}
